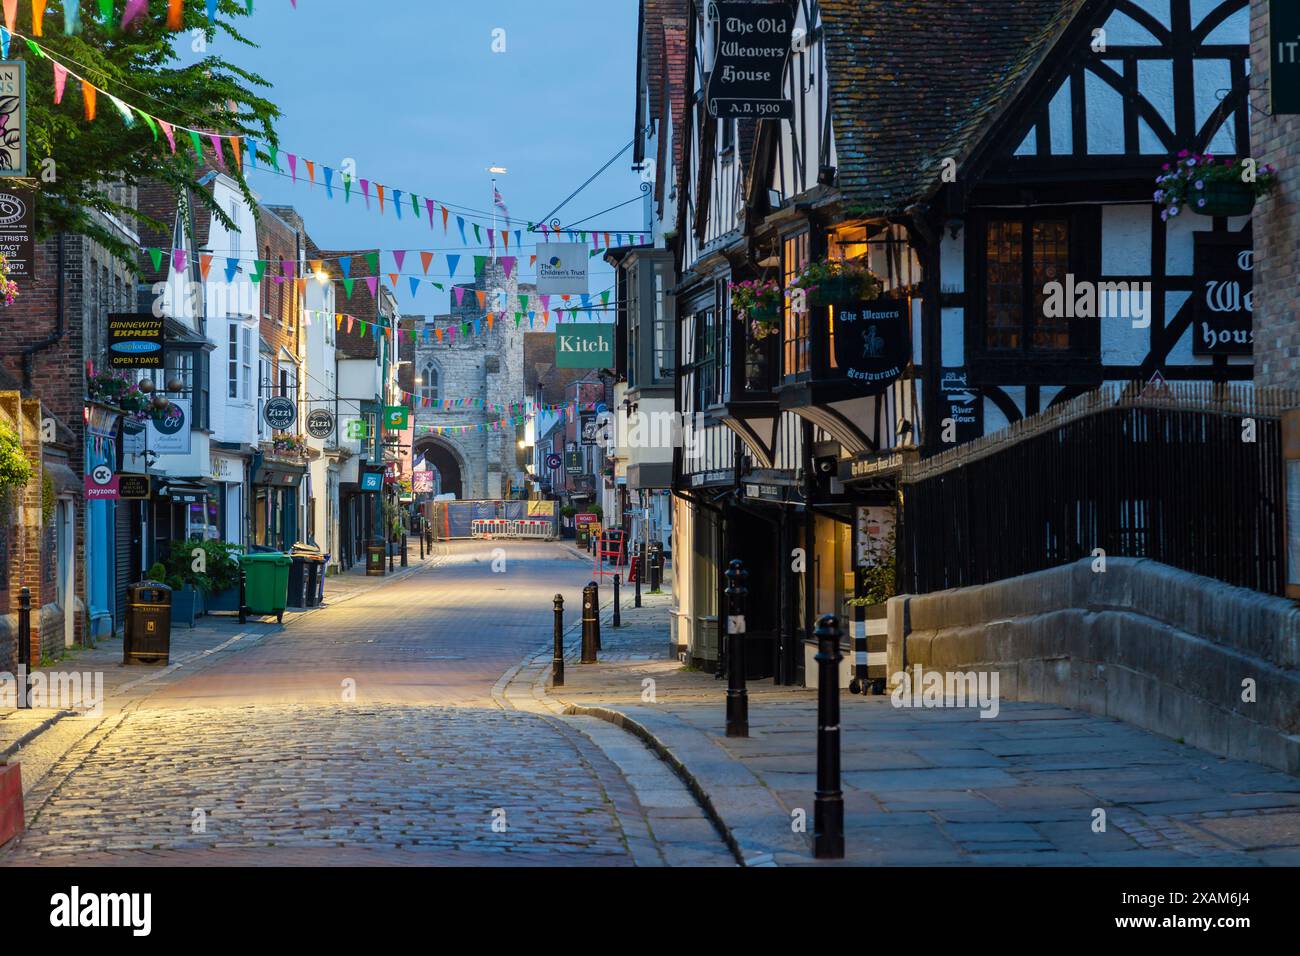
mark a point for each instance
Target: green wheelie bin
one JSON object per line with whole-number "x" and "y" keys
{"x": 266, "y": 584}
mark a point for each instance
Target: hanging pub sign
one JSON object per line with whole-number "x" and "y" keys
{"x": 754, "y": 41}
{"x": 562, "y": 268}
{"x": 13, "y": 118}
{"x": 1221, "y": 305}
{"x": 17, "y": 229}
{"x": 135, "y": 341}
{"x": 872, "y": 341}
{"x": 584, "y": 345}
{"x": 1284, "y": 51}
{"x": 320, "y": 423}
{"x": 280, "y": 413}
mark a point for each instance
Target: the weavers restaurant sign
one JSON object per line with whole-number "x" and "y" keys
{"x": 1222, "y": 305}
{"x": 754, "y": 40}
{"x": 584, "y": 346}
{"x": 872, "y": 342}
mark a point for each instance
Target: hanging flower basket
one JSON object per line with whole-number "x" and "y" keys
{"x": 837, "y": 282}
{"x": 760, "y": 302}
{"x": 1211, "y": 187}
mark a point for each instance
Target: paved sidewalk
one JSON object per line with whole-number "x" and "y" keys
{"x": 191, "y": 648}
{"x": 925, "y": 787}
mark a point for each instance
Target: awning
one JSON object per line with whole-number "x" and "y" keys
{"x": 184, "y": 490}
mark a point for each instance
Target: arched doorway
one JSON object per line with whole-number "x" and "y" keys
{"x": 444, "y": 461}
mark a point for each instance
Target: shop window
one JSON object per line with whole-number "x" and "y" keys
{"x": 797, "y": 352}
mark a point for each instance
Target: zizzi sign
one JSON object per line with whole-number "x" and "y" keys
{"x": 872, "y": 342}
{"x": 280, "y": 413}
{"x": 754, "y": 41}
{"x": 584, "y": 346}
{"x": 1223, "y": 302}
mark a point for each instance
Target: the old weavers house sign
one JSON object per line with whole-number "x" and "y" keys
{"x": 754, "y": 40}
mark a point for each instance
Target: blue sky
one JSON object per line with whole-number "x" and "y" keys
{"x": 413, "y": 93}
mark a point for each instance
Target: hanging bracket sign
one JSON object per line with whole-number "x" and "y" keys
{"x": 754, "y": 42}
{"x": 872, "y": 341}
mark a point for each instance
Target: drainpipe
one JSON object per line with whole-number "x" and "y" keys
{"x": 29, "y": 353}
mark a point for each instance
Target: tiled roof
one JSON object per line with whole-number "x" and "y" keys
{"x": 913, "y": 82}
{"x": 674, "y": 80}
{"x": 653, "y": 13}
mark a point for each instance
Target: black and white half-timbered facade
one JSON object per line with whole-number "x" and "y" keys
{"x": 996, "y": 172}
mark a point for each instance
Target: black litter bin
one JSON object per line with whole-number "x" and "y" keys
{"x": 320, "y": 580}
{"x": 148, "y": 633}
{"x": 375, "y": 559}
{"x": 304, "y": 575}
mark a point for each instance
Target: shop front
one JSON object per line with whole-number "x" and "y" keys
{"x": 180, "y": 508}
{"x": 275, "y": 486}
{"x": 229, "y": 495}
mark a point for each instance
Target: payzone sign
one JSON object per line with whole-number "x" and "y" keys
{"x": 584, "y": 345}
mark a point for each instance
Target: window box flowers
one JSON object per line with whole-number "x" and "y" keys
{"x": 837, "y": 281}
{"x": 1202, "y": 184}
{"x": 289, "y": 446}
{"x": 760, "y": 301}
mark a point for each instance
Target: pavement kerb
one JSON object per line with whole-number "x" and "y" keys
{"x": 742, "y": 849}
{"x": 32, "y": 734}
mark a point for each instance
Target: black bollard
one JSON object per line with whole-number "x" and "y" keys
{"x": 243, "y": 596}
{"x": 618, "y": 619}
{"x": 656, "y": 567}
{"x": 640, "y": 570}
{"x": 590, "y": 623}
{"x": 557, "y": 658}
{"x": 737, "y": 695}
{"x": 421, "y": 537}
{"x": 406, "y": 544}
{"x": 24, "y": 647}
{"x": 390, "y": 553}
{"x": 828, "y": 805}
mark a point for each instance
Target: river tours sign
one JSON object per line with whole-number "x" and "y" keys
{"x": 754, "y": 42}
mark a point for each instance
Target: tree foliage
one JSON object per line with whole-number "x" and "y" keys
{"x": 148, "y": 67}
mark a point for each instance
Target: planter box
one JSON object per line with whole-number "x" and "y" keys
{"x": 185, "y": 607}
{"x": 227, "y": 600}
{"x": 11, "y": 802}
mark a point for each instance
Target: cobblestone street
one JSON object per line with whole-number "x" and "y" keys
{"x": 365, "y": 732}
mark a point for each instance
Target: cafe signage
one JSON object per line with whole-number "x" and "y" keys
{"x": 1222, "y": 263}
{"x": 397, "y": 418}
{"x": 754, "y": 41}
{"x": 872, "y": 341}
{"x": 13, "y": 117}
{"x": 581, "y": 345}
{"x": 135, "y": 341}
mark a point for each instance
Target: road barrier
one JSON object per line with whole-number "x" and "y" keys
{"x": 535, "y": 529}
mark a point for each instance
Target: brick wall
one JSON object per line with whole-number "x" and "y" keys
{"x": 1276, "y": 224}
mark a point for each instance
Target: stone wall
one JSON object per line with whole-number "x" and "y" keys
{"x": 1142, "y": 642}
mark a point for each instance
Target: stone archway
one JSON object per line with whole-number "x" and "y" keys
{"x": 444, "y": 459}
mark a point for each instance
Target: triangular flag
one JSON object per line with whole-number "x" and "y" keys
{"x": 124, "y": 110}
{"x": 479, "y": 263}
{"x": 347, "y": 290}
{"x": 508, "y": 264}
{"x": 156, "y": 256}
{"x": 288, "y": 267}
{"x": 482, "y": 298}
{"x": 212, "y": 10}
{"x": 232, "y": 268}
{"x": 11, "y": 15}
{"x": 329, "y": 182}
{"x": 178, "y": 259}
{"x": 372, "y": 283}
{"x": 134, "y": 8}
{"x": 38, "y": 17}
{"x": 478, "y": 239}
{"x": 174, "y": 10}
{"x": 197, "y": 143}
{"x": 428, "y": 204}
{"x": 88, "y": 93}
{"x": 425, "y": 259}
{"x": 460, "y": 224}
{"x": 205, "y": 263}
{"x": 379, "y": 189}
{"x": 365, "y": 191}
{"x": 345, "y": 264}
{"x": 372, "y": 260}
{"x": 60, "y": 79}
{"x": 216, "y": 148}
{"x": 72, "y": 17}
{"x": 259, "y": 270}
{"x": 392, "y": 280}
{"x": 347, "y": 187}
{"x": 399, "y": 256}
{"x": 460, "y": 296}
{"x": 311, "y": 171}
{"x": 452, "y": 263}
{"x": 397, "y": 202}
{"x": 167, "y": 131}
{"x": 444, "y": 220}
{"x": 234, "y": 148}
{"x": 293, "y": 168}
{"x": 415, "y": 286}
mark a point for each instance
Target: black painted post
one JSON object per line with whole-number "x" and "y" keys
{"x": 243, "y": 595}
{"x": 656, "y": 567}
{"x": 737, "y": 694}
{"x": 590, "y": 623}
{"x": 640, "y": 570}
{"x": 557, "y": 658}
{"x": 406, "y": 544}
{"x": 421, "y": 537}
{"x": 618, "y": 619}
{"x": 828, "y": 804}
{"x": 24, "y": 647}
